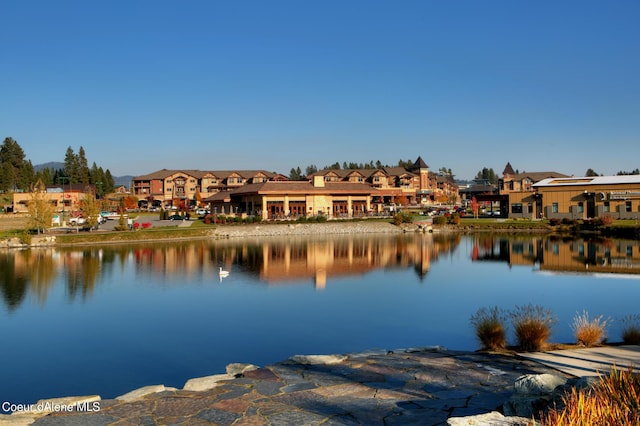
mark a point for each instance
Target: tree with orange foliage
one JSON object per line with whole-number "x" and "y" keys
{"x": 474, "y": 206}
{"x": 129, "y": 202}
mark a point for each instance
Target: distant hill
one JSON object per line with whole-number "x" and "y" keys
{"x": 56, "y": 165}
{"x": 122, "y": 180}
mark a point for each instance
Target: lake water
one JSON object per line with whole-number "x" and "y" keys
{"x": 108, "y": 320}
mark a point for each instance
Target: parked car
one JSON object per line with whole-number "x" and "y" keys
{"x": 111, "y": 215}
{"x": 176, "y": 217}
{"x": 77, "y": 221}
{"x": 202, "y": 212}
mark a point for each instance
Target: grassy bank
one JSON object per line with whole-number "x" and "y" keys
{"x": 165, "y": 233}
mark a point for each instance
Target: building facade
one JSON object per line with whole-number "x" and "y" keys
{"x": 187, "y": 188}
{"x": 64, "y": 199}
{"x": 579, "y": 198}
{"x": 292, "y": 199}
{"x": 346, "y": 192}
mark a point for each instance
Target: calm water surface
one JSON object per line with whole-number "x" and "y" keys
{"x": 108, "y": 320}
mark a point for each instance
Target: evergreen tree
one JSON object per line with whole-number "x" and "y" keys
{"x": 109, "y": 184}
{"x": 71, "y": 166}
{"x": 45, "y": 176}
{"x": 311, "y": 169}
{"x": 15, "y": 172}
{"x": 83, "y": 168}
{"x": 294, "y": 174}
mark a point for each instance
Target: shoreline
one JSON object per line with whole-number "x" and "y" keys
{"x": 303, "y": 375}
{"x": 423, "y": 385}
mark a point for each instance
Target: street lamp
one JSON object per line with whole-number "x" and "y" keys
{"x": 64, "y": 201}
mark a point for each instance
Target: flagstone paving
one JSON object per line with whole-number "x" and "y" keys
{"x": 412, "y": 387}
{"x": 429, "y": 386}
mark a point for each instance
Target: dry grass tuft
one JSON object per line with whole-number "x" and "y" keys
{"x": 631, "y": 330}
{"x": 589, "y": 332}
{"x": 532, "y": 325}
{"x": 490, "y": 329}
{"x": 615, "y": 400}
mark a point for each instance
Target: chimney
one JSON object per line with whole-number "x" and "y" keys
{"x": 318, "y": 181}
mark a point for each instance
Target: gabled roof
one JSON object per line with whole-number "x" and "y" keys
{"x": 419, "y": 164}
{"x": 538, "y": 176}
{"x": 508, "y": 170}
{"x": 397, "y": 171}
{"x": 344, "y": 173}
{"x": 199, "y": 174}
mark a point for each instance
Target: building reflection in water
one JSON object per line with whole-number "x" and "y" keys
{"x": 561, "y": 255}
{"x": 278, "y": 261}
{"x": 268, "y": 260}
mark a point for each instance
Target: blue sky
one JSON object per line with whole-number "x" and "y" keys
{"x": 145, "y": 85}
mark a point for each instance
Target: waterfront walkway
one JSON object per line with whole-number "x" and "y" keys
{"x": 410, "y": 387}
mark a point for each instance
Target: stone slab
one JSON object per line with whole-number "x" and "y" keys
{"x": 586, "y": 362}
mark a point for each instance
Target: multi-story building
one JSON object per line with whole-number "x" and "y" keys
{"x": 186, "y": 188}
{"x": 522, "y": 182}
{"x": 360, "y": 191}
{"x": 397, "y": 185}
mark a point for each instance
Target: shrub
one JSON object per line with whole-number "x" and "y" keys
{"x": 455, "y": 219}
{"x": 631, "y": 330}
{"x": 554, "y": 221}
{"x": 606, "y": 220}
{"x": 589, "y": 332}
{"x": 532, "y": 326}
{"x": 440, "y": 220}
{"x": 490, "y": 328}
{"x": 614, "y": 400}
{"x": 401, "y": 218}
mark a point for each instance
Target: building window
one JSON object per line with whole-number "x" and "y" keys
{"x": 627, "y": 206}
{"x": 554, "y": 208}
{"x": 580, "y": 207}
{"x": 516, "y": 208}
{"x": 607, "y": 207}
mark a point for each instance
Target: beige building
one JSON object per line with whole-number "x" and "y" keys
{"x": 291, "y": 199}
{"x": 63, "y": 199}
{"x": 187, "y": 188}
{"x": 579, "y": 198}
{"x": 335, "y": 193}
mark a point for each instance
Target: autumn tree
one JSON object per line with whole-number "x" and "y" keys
{"x": 40, "y": 209}
{"x": 474, "y": 206}
{"x": 90, "y": 207}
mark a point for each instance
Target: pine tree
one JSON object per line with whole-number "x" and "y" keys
{"x": 83, "y": 167}
{"x": 15, "y": 172}
{"x": 71, "y": 168}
